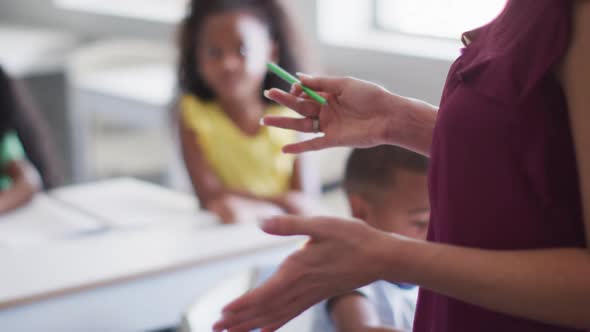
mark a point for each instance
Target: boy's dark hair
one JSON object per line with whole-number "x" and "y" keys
{"x": 19, "y": 115}
{"x": 268, "y": 11}
{"x": 375, "y": 168}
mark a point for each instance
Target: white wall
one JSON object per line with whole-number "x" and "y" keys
{"x": 417, "y": 77}
{"x": 412, "y": 76}
{"x": 44, "y": 13}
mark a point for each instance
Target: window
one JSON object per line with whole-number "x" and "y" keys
{"x": 168, "y": 11}
{"x": 424, "y": 28}
{"x": 435, "y": 18}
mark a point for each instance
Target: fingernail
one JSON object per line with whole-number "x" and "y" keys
{"x": 262, "y": 223}
{"x": 265, "y": 223}
{"x": 302, "y": 75}
{"x": 267, "y": 93}
{"x": 261, "y": 122}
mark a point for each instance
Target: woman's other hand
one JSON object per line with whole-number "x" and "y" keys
{"x": 340, "y": 256}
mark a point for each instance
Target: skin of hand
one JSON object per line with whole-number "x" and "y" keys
{"x": 26, "y": 182}
{"x": 304, "y": 278}
{"x": 357, "y": 114}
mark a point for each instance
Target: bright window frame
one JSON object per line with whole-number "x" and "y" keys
{"x": 446, "y": 26}
{"x": 356, "y": 26}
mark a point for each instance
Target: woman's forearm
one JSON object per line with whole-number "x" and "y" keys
{"x": 551, "y": 286}
{"x": 412, "y": 127}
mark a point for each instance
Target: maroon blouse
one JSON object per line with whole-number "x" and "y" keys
{"x": 503, "y": 173}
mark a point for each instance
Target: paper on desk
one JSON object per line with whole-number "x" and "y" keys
{"x": 125, "y": 202}
{"x": 41, "y": 221}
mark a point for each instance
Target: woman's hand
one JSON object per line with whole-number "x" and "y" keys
{"x": 340, "y": 256}
{"x": 358, "y": 114}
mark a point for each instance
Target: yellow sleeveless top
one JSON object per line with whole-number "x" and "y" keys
{"x": 252, "y": 164}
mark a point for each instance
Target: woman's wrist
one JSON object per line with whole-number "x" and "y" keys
{"x": 410, "y": 123}
{"x": 403, "y": 265}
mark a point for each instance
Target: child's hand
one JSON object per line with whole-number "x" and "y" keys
{"x": 234, "y": 209}
{"x": 4, "y": 207}
{"x": 222, "y": 207}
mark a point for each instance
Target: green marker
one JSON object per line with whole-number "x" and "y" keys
{"x": 280, "y": 72}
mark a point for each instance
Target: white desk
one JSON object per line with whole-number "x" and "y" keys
{"x": 136, "y": 279}
{"x": 126, "y": 202}
{"x": 42, "y": 222}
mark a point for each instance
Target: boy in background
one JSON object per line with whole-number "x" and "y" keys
{"x": 386, "y": 187}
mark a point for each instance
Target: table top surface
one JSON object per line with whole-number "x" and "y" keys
{"x": 30, "y": 274}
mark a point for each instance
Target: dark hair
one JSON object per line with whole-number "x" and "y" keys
{"x": 268, "y": 11}
{"x": 375, "y": 168}
{"x": 19, "y": 115}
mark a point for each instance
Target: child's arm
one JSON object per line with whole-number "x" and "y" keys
{"x": 205, "y": 182}
{"x": 211, "y": 191}
{"x": 25, "y": 183}
{"x": 355, "y": 313}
